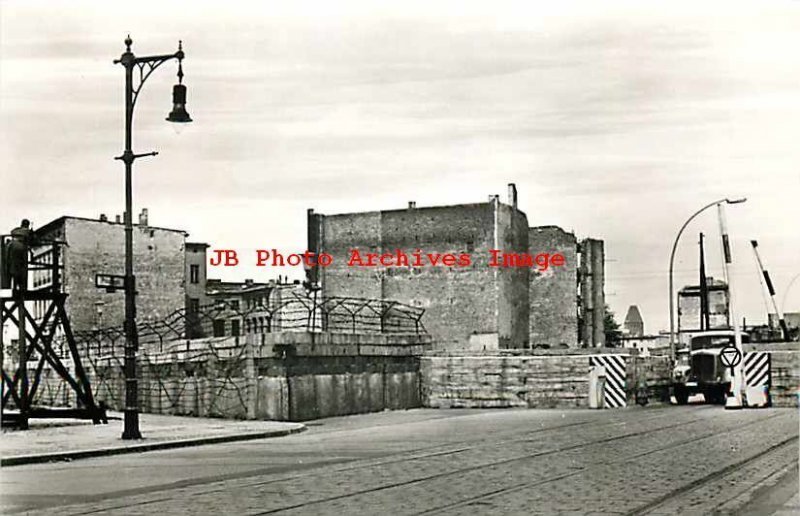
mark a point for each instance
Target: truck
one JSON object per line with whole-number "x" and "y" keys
{"x": 698, "y": 369}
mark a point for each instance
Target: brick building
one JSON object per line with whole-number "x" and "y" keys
{"x": 592, "y": 298}
{"x": 553, "y": 293}
{"x": 242, "y": 307}
{"x": 474, "y": 306}
{"x": 98, "y": 246}
{"x": 196, "y": 275}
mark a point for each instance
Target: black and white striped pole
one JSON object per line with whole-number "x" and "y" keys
{"x": 735, "y": 398}
{"x": 771, "y": 290}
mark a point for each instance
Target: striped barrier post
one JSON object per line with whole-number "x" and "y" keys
{"x": 757, "y": 378}
{"x": 614, "y": 394}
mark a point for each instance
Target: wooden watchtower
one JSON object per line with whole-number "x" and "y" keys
{"x": 36, "y": 331}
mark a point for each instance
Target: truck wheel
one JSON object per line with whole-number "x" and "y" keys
{"x": 718, "y": 397}
{"x": 681, "y": 395}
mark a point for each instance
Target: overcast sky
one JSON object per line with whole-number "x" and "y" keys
{"x": 615, "y": 120}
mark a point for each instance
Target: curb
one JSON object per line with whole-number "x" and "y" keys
{"x": 137, "y": 448}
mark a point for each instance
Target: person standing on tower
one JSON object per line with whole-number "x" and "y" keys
{"x": 17, "y": 249}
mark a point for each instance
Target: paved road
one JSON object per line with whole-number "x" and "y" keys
{"x": 659, "y": 460}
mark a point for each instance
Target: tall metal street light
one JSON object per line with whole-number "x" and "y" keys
{"x": 145, "y": 66}
{"x": 672, "y": 262}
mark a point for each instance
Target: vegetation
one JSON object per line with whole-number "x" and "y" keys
{"x": 612, "y": 329}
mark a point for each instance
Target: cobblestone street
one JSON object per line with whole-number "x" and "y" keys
{"x": 456, "y": 258}
{"x": 661, "y": 460}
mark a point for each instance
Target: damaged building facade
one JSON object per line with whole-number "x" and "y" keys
{"x": 96, "y": 246}
{"x": 476, "y": 306}
{"x": 567, "y": 304}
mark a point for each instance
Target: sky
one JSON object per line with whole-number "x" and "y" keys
{"x": 616, "y": 120}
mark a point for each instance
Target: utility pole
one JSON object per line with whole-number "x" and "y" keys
{"x": 705, "y": 317}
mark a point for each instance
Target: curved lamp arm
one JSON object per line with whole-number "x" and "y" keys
{"x": 146, "y": 65}
{"x": 690, "y": 219}
{"x": 672, "y": 262}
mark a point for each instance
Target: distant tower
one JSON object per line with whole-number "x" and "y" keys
{"x": 634, "y": 324}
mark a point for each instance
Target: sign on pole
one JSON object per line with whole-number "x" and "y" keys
{"x": 730, "y": 356}
{"x": 110, "y": 282}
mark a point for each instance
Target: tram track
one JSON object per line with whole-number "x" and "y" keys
{"x": 702, "y": 483}
{"x": 451, "y": 448}
{"x": 582, "y": 471}
{"x": 578, "y": 463}
{"x": 538, "y": 455}
{"x": 240, "y": 480}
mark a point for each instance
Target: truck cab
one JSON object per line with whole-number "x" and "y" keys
{"x": 698, "y": 369}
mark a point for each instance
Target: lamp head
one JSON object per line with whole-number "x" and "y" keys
{"x": 736, "y": 201}
{"x": 179, "y": 114}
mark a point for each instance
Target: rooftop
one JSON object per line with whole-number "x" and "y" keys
{"x": 61, "y": 220}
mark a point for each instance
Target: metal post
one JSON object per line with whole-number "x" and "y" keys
{"x": 705, "y": 316}
{"x": 131, "y": 430}
{"x": 24, "y": 401}
{"x": 737, "y": 385}
{"x": 2, "y": 331}
{"x": 2, "y": 354}
{"x": 55, "y": 269}
{"x": 251, "y": 373}
{"x": 146, "y": 66}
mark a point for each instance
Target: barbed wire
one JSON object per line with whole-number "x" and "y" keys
{"x": 193, "y": 362}
{"x": 295, "y": 312}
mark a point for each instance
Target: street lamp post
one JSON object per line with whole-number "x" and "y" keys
{"x": 145, "y": 65}
{"x": 672, "y": 262}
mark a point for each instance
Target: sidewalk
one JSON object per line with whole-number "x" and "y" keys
{"x": 59, "y": 439}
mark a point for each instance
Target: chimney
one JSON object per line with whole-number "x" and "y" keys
{"x": 143, "y": 217}
{"x": 103, "y": 217}
{"x": 117, "y": 219}
{"x": 248, "y": 282}
{"x": 512, "y": 195}
{"x": 412, "y": 205}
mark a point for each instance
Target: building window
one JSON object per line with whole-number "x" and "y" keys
{"x": 235, "y": 304}
{"x": 194, "y": 273}
{"x": 193, "y": 328}
{"x": 219, "y": 327}
{"x": 235, "y": 328}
